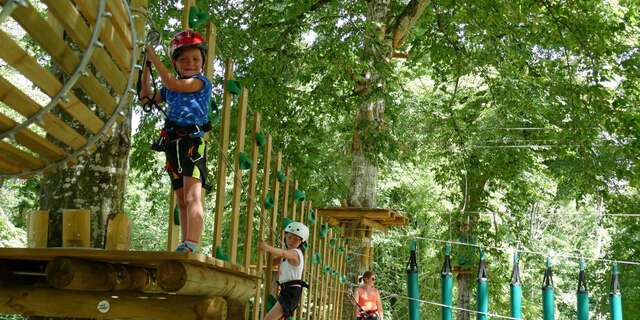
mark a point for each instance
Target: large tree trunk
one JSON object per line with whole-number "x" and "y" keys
{"x": 472, "y": 188}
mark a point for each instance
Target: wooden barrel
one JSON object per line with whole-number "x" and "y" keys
{"x": 76, "y": 228}
{"x": 38, "y": 230}
{"x": 118, "y": 233}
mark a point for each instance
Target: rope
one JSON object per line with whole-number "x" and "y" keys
{"x": 544, "y": 254}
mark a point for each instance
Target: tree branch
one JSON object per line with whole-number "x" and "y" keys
{"x": 406, "y": 20}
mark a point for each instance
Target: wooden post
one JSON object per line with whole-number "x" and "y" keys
{"x": 38, "y": 229}
{"x": 76, "y": 228}
{"x": 344, "y": 286}
{"x": 251, "y": 197}
{"x": 174, "y": 229}
{"x": 186, "y": 279}
{"x": 294, "y": 202}
{"x": 336, "y": 313}
{"x": 237, "y": 175}
{"x": 304, "y": 218}
{"x": 326, "y": 259}
{"x": 331, "y": 281}
{"x": 285, "y": 194}
{"x": 186, "y": 5}
{"x": 222, "y": 158}
{"x": 211, "y": 50}
{"x": 75, "y": 274}
{"x": 311, "y": 306}
{"x": 263, "y": 211}
{"x": 118, "y": 233}
{"x": 268, "y": 285}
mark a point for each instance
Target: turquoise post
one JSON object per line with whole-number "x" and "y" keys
{"x": 615, "y": 296}
{"x": 412, "y": 284}
{"x": 548, "y": 305}
{"x": 483, "y": 290}
{"x": 583, "y": 294}
{"x": 446, "y": 280}
{"x": 516, "y": 289}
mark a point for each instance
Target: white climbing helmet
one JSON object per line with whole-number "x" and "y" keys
{"x": 299, "y": 229}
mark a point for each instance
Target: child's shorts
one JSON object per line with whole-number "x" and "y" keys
{"x": 289, "y": 299}
{"x": 186, "y": 157}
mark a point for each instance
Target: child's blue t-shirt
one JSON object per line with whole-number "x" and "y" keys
{"x": 189, "y": 108}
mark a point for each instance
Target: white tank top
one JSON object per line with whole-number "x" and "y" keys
{"x": 288, "y": 272}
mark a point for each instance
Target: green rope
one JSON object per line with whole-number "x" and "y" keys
{"x": 281, "y": 176}
{"x": 299, "y": 195}
{"x": 261, "y": 139}
{"x": 268, "y": 202}
{"x": 234, "y": 86}
{"x": 245, "y": 162}
{"x": 197, "y": 18}
{"x": 176, "y": 216}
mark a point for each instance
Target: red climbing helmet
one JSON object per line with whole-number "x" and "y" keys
{"x": 187, "y": 39}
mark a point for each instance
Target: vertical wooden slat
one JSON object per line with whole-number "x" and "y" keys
{"x": 326, "y": 259}
{"x": 174, "y": 229}
{"x": 304, "y": 218}
{"x": 274, "y": 227}
{"x": 222, "y": 158}
{"x": 237, "y": 175}
{"x": 338, "y": 285}
{"x": 251, "y": 197}
{"x": 257, "y": 306}
{"x": 186, "y": 5}
{"x": 345, "y": 286}
{"x": 311, "y": 306}
{"x": 285, "y": 194}
{"x": 212, "y": 37}
{"x": 294, "y": 202}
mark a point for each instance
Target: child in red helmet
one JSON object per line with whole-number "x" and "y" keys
{"x": 187, "y": 95}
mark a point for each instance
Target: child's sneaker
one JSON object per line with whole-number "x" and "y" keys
{"x": 187, "y": 246}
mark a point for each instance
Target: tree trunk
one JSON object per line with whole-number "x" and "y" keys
{"x": 472, "y": 188}
{"x": 97, "y": 183}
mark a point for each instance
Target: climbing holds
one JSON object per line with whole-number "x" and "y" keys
{"x": 233, "y": 86}
{"x": 245, "y": 162}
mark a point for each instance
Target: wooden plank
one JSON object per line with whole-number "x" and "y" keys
{"x": 285, "y": 193}
{"x": 294, "y": 202}
{"x": 304, "y": 218}
{"x": 263, "y": 212}
{"x": 120, "y": 21}
{"x": 80, "y": 33}
{"x": 19, "y": 158}
{"x": 108, "y": 35}
{"x": 20, "y": 60}
{"x": 222, "y": 158}
{"x": 7, "y": 166}
{"x": 62, "y": 54}
{"x": 339, "y": 285}
{"x": 33, "y": 141}
{"x": 274, "y": 228}
{"x": 123, "y": 305}
{"x": 211, "y": 50}
{"x": 186, "y": 5}
{"x": 326, "y": 259}
{"x": 173, "y": 234}
{"x": 373, "y": 224}
{"x": 312, "y": 274}
{"x": 251, "y": 197}
{"x": 237, "y": 175}
{"x": 23, "y": 104}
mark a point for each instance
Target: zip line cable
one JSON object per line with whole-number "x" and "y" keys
{"x": 544, "y": 254}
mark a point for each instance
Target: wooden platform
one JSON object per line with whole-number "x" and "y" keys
{"x": 375, "y": 218}
{"x": 100, "y": 284}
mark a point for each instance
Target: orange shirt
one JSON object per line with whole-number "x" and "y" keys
{"x": 367, "y": 299}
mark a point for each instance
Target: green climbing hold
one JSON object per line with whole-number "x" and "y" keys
{"x": 197, "y": 18}
{"x": 245, "y": 162}
{"x": 281, "y": 176}
{"x": 317, "y": 258}
{"x": 349, "y": 258}
{"x": 312, "y": 216}
{"x": 334, "y": 273}
{"x": 261, "y": 139}
{"x": 298, "y": 195}
{"x": 326, "y": 269}
{"x": 332, "y": 242}
{"x": 285, "y": 222}
{"x": 341, "y": 250}
{"x": 233, "y": 86}
{"x": 271, "y": 302}
{"x": 324, "y": 230}
{"x": 220, "y": 254}
{"x": 176, "y": 216}
{"x": 268, "y": 202}
{"x": 343, "y": 279}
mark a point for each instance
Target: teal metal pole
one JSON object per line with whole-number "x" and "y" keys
{"x": 412, "y": 284}
{"x": 583, "y": 294}
{"x": 615, "y": 296}
{"x": 483, "y": 290}
{"x": 548, "y": 305}
{"x": 446, "y": 280}
{"x": 516, "y": 289}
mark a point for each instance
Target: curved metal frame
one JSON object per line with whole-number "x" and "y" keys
{"x": 116, "y": 113}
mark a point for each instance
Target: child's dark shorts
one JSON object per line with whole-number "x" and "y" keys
{"x": 289, "y": 298}
{"x": 186, "y": 157}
